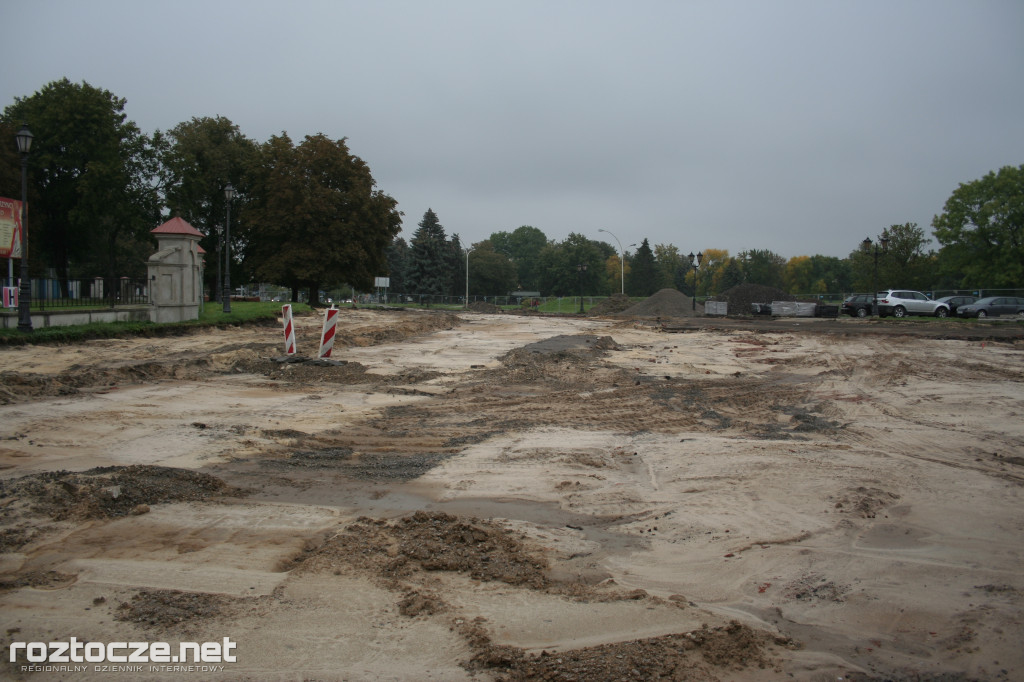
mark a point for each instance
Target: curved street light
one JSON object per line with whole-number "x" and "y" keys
{"x": 622, "y": 261}
{"x": 24, "y": 138}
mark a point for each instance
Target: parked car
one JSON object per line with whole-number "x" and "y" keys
{"x": 994, "y": 306}
{"x": 901, "y": 302}
{"x": 955, "y": 302}
{"x": 858, "y": 305}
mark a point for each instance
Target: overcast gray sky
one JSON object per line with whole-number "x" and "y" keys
{"x": 796, "y": 126}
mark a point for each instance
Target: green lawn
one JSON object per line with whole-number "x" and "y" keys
{"x": 212, "y": 315}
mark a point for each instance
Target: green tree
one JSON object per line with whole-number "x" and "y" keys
{"x": 522, "y": 247}
{"x": 93, "y": 194}
{"x": 200, "y": 158}
{"x": 761, "y": 266}
{"x": 490, "y": 273}
{"x": 429, "y": 268}
{"x": 709, "y": 276}
{"x": 314, "y": 219}
{"x": 732, "y": 274}
{"x": 898, "y": 256}
{"x": 559, "y": 267}
{"x": 644, "y": 276}
{"x": 672, "y": 265}
{"x": 397, "y": 256}
{"x": 981, "y": 230}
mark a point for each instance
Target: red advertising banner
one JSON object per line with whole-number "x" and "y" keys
{"x": 10, "y": 228}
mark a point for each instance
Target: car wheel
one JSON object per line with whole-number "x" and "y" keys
{"x": 941, "y": 312}
{"x": 1020, "y": 314}
{"x": 982, "y": 314}
{"x": 899, "y": 311}
{"x": 862, "y": 312}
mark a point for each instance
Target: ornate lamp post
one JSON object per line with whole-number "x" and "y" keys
{"x": 622, "y": 262}
{"x": 866, "y": 245}
{"x": 24, "y": 138}
{"x": 229, "y": 194}
{"x": 580, "y": 269}
{"x": 696, "y": 266}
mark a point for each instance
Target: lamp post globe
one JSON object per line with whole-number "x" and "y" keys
{"x": 229, "y": 194}
{"x": 24, "y": 139}
{"x": 696, "y": 265}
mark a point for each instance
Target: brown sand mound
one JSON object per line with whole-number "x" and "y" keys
{"x": 483, "y": 307}
{"x": 665, "y": 303}
{"x": 612, "y": 305}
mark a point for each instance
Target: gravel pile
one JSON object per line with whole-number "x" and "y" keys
{"x": 741, "y": 297}
{"x": 665, "y": 303}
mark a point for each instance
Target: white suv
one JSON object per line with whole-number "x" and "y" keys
{"x": 900, "y": 303}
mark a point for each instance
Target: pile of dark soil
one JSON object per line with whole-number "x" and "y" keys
{"x": 665, "y": 303}
{"x": 171, "y": 608}
{"x": 741, "y": 297}
{"x": 366, "y": 466}
{"x": 613, "y": 305}
{"x": 431, "y": 542}
{"x": 567, "y": 360}
{"x": 483, "y": 307}
{"x": 107, "y": 492}
{"x": 696, "y": 655}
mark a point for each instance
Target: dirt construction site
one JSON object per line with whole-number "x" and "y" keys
{"x": 473, "y": 496}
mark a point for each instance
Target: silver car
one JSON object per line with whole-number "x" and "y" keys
{"x": 903, "y": 302}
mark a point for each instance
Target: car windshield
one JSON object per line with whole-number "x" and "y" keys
{"x": 986, "y": 301}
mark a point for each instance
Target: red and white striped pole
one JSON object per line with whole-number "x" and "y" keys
{"x": 289, "y": 330}
{"x": 327, "y": 336}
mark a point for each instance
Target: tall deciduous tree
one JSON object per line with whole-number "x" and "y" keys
{"x": 523, "y": 247}
{"x": 314, "y": 217}
{"x": 560, "y": 273}
{"x": 93, "y": 180}
{"x": 761, "y": 266}
{"x": 981, "y": 230}
{"x": 200, "y": 158}
{"x": 490, "y": 273}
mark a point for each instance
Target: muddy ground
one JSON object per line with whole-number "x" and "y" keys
{"x": 509, "y": 497}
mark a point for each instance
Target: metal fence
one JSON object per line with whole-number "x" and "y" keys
{"x": 49, "y": 293}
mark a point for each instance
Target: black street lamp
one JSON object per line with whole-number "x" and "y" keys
{"x": 700, "y": 257}
{"x": 580, "y": 269}
{"x": 866, "y": 246}
{"x": 229, "y": 194}
{"x": 24, "y": 138}
{"x": 217, "y": 293}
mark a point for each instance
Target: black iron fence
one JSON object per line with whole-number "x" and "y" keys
{"x": 49, "y": 293}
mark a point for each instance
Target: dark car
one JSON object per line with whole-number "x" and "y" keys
{"x": 994, "y": 306}
{"x": 955, "y": 302}
{"x": 858, "y": 305}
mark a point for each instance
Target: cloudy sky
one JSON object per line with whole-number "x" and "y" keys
{"x": 796, "y": 126}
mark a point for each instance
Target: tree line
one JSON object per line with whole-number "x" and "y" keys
{"x": 308, "y": 215}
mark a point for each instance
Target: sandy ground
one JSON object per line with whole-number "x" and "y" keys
{"x": 515, "y": 497}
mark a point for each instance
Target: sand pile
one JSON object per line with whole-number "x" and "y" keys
{"x": 665, "y": 303}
